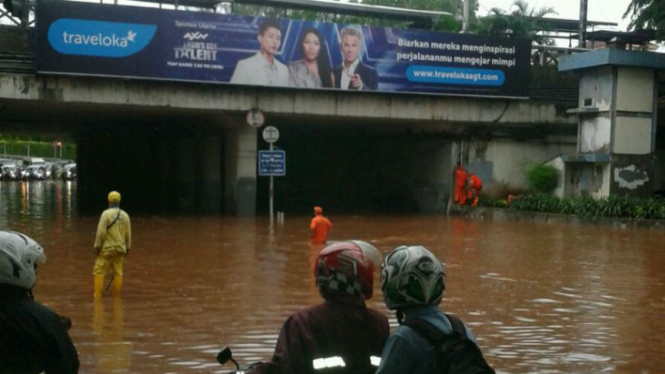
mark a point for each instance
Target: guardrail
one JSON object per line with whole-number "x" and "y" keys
{"x": 22, "y": 63}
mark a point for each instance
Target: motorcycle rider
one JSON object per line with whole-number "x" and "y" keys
{"x": 33, "y": 338}
{"x": 341, "y": 335}
{"x": 413, "y": 281}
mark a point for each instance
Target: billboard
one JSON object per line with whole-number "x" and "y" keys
{"x": 75, "y": 38}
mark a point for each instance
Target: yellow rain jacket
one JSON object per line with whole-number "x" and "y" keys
{"x": 113, "y": 237}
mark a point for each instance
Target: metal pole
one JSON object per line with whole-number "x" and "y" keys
{"x": 584, "y": 4}
{"x": 465, "y": 16}
{"x": 271, "y": 196}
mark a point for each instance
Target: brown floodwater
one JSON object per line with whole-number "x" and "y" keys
{"x": 541, "y": 297}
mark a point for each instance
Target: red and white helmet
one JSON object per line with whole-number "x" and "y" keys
{"x": 347, "y": 268}
{"x": 18, "y": 256}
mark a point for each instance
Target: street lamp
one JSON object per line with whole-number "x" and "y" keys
{"x": 57, "y": 145}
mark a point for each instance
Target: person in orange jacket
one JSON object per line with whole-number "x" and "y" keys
{"x": 460, "y": 184}
{"x": 475, "y": 185}
{"x": 320, "y": 227}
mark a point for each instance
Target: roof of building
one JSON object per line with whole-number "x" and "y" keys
{"x": 632, "y": 37}
{"x": 612, "y": 56}
{"x": 573, "y": 25}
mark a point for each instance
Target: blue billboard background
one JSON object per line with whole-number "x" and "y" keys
{"x": 110, "y": 40}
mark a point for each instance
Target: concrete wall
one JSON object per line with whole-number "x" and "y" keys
{"x": 635, "y": 90}
{"x": 597, "y": 85}
{"x": 632, "y": 175}
{"x": 240, "y": 170}
{"x": 659, "y": 172}
{"x": 587, "y": 179}
{"x": 331, "y": 104}
{"x": 581, "y": 179}
{"x": 633, "y": 135}
{"x": 560, "y": 166}
{"x": 595, "y": 134}
{"x": 509, "y": 161}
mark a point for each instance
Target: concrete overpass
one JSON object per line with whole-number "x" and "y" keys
{"x": 186, "y": 147}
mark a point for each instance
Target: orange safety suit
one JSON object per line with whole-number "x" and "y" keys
{"x": 320, "y": 227}
{"x": 475, "y": 185}
{"x": 460, "y": 184}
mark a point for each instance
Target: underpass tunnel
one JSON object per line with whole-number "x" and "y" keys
{"x": 181, "y": 165}
{"x": 159, "y": 165}
{"x": 360, "y": 169}
{"x": 169, "y": 160}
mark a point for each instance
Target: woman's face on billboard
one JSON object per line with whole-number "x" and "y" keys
{"x": 311, "y": 46}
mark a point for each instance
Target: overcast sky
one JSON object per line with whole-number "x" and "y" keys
{"x": 598, "y": 10}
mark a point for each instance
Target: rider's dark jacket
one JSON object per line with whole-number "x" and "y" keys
{"x": 33, "y": 338}
{"x": 317, "y": 339}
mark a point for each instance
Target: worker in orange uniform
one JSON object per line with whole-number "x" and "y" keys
{"x": 475, "y": 185}
{"x": 320, "y": 227}
{"x": 460, "y": 184}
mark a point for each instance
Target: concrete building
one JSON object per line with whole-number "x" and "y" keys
{"x": 617, "y": 122}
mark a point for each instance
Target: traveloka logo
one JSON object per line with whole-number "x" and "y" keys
{"x": 99, "y": 38}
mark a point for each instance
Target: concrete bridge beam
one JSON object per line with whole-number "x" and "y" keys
{"x": 280, "y": 101}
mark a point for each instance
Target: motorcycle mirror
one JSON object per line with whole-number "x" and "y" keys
{"x": 224, "y": 355}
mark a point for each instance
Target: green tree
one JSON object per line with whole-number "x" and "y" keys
{"x": 444, "y": 23}
{"x": 542, "y": 178}
{"x": 523, "y": 22}
{"x": 451, "y": 23}
{"x": 647, "y": 14}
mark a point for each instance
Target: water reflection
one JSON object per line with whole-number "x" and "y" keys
{"x": 25, "y": 200}
{"x": 112, "y": 352}
{"x": 542, "y": 298}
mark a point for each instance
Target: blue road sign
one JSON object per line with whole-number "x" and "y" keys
{"x": 272, "y": 163}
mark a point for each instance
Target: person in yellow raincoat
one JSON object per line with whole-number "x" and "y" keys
{"x": 112, "y": 244}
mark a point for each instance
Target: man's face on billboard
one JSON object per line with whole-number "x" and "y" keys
{"x": 350, "y": 48}
{"x": 270, "y": 40}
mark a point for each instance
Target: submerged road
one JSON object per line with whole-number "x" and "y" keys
{"x": 542, "y": 298}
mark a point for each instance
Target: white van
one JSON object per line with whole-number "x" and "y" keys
{"x": 36, "y": 160}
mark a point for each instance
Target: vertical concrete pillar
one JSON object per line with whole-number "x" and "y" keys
{"x": 210, "y": 200}
{"x": 455, "y": 150}
{"x": 240, "y": 165}
{"x": 186, "y": 174}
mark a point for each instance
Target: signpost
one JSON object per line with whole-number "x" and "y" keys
{"x": 271, "y": 163}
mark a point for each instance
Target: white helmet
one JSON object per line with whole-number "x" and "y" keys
{"x": 18, "y": 256}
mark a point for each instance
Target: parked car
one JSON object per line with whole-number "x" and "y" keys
{"x": 9, "y": 172}
{"x": 69, "y": 172}
{"x": 35, "y": 172}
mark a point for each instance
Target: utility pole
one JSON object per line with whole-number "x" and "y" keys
{"x": 584, "y": 4}
{"x": 465, "y": 16}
